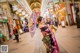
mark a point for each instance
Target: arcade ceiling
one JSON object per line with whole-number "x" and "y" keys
{"x": 34, "y": 3}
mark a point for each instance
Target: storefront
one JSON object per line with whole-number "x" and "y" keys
{"x": 19, "y": 17}
{"x": 4, "y": 16}
{"x": 4, "y": 27}
{"x": 60, "y": 12}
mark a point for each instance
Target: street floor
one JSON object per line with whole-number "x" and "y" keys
{"x": 68, "y": 40}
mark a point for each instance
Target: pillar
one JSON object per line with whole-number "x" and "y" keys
{"x": 69, "y": 18}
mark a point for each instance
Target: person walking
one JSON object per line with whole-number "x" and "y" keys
{"x": 56, "y": 21}
{"x": 16, "y": 34}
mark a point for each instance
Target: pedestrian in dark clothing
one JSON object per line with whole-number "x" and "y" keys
{"x": 16, "y": 34}
{"x": 56, "y": 21}
{"x": 78, "y": 21}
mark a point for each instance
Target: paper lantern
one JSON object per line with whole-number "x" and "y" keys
{"x": 26, "y": 15}
{"x": 23, "y": 12}
{"x": 20, "y": 14}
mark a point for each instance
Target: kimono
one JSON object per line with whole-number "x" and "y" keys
{"x": 47, "y": 42}
{"x": 50, "y": 41}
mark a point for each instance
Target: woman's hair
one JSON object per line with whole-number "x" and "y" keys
{"x": 39, "y": 19}
{"x": 44, "y": 28}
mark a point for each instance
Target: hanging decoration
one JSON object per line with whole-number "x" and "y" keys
{"x": 33, "y": 23}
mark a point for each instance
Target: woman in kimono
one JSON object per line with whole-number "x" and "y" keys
{"x": 49, "y": 41}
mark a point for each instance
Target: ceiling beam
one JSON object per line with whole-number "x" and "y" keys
{"x": 25, "y": 5}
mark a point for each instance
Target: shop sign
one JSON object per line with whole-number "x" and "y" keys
{"x": 22, "y": 18}
{"x": 60, "y": 7}
{"x": 50, "y": 1}
{"x": 11, "y": 0}
{"x": 1, "y": 12}
{"x": 26, "y": 15}
{"x": 50, "y": 5}
{"x": 23, "y": 13}
{"x": 0, "y": 26}
{"x": 15, "y": 7}
{"x": 19, "y": 10}
{"x": 3, "y": 19}
{"x": 2, "y": 0}
{"x": 79, "y": 5}
{"x": 55, "y": 1}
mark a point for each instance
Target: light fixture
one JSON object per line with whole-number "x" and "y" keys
{"x": 26, "y": 15}
{"x": 22, "y": 18}
{"x": 20, "y": 14}
{"x": 17, "y": 12}
{"x": 23, "y": 3}
{"x": 23, "y": 12}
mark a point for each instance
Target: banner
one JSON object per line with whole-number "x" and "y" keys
{"x": 33, "y": 23}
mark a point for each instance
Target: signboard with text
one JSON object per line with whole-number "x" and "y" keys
{"x": 55, "y": 1}
{"x": 3, "y": 0}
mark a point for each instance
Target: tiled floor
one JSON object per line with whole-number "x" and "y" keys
{"x": 68, "y": 39}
